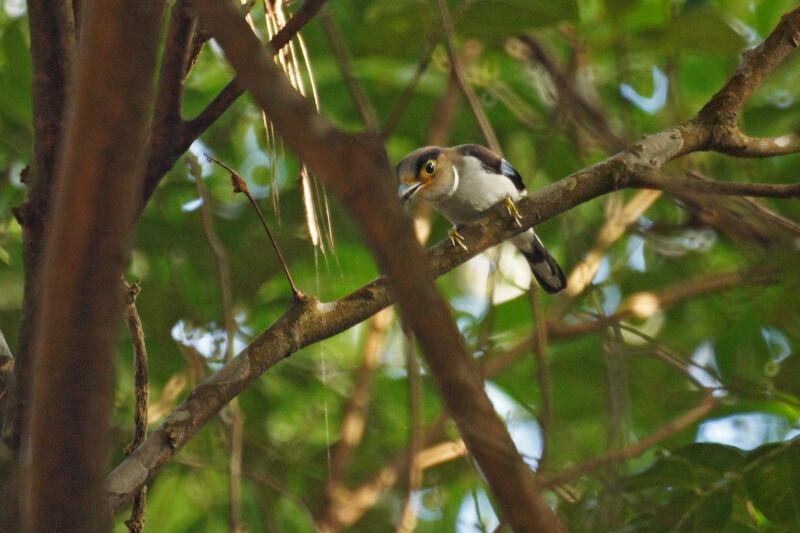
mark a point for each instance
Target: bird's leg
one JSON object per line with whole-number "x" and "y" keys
{"x": 456, "y": 238}
{"x": 512, "y": 210}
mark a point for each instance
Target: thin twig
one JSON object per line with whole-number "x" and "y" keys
{"x": 357, "y": 94}
{"x": 408, "y": 93}
{"x": 236, "y": 435}
{"x": 657, "y": 179}
{"x": 408, "y": 522}
{"x": 348, "y": 506}
{"x": 543, "y": 373}
{"x": 220, "y": 254}
{"x": 236, "y": 425}
{"x": 610, "y": 232}
{"x": 240, "y": 185}
{"x": 354, "y": 419}
{"x": 142, "y": 385}
{"x": 461, "y": 76}
{"x": 641, "y": 305}
{"x": 589, "y": 114}
{"x": 676, "y": 426}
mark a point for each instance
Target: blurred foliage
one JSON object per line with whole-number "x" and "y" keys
{"x": 736, "y": 472}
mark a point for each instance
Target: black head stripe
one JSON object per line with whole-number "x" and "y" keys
{"x": 424, "y": 157}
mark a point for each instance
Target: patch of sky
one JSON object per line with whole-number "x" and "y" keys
{"x": 256, "y": 158}
{"x": 750, "y": 35}
{"x": 523, "y": 428}
{"x": 746, "y": 430}
{"x": 603, "y": 271}
{"x": 209, "y": 341}
{"x": 652, "y": 104}
{"x": 475, "y": 514}
{"x": 704, "y": 366}
{"x": 15, "y": 8}
{"x": 635, "y": 251}
{"x": 777, "y": 342}
{"x": 611, "y": 297}
{"x": 424, "y": 504}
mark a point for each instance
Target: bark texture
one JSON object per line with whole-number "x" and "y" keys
{"x": 98, "y": 182}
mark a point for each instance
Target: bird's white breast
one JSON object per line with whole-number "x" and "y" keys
{"x": 477, "y": 191}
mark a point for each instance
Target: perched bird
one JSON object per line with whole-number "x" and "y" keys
{"x": 462, "y": 183}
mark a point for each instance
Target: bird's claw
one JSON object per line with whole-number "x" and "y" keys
{"x": 456, "y": 239}
{"x": 512, "y": 210}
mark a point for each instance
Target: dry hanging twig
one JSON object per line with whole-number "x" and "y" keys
{"x": 142, "y": 384}
{"x": 240, "y": 185}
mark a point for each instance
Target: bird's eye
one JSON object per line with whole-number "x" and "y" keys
{"x": 429, "y": 168}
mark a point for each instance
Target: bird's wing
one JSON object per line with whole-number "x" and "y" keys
{"x": 493, "y": 162}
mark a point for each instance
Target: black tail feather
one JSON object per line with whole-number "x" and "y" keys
{"x": 545, "y": 268}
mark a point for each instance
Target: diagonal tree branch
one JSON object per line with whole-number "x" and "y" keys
{"x": 307, "y": 322}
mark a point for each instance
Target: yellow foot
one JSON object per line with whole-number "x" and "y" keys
{"x": 512, "y": 210}
{"x": 456, "y": 238}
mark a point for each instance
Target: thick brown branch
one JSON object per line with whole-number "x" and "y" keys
{"x": 99, "y": 181}
{"x": 169, "y": 94}
{"x": 718, "y": 116}
{"x": 52, "y": 37}
{"x": 757, "y": 63}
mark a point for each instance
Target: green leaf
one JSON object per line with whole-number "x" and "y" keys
{"x": 774, "y": 482}
{"x": 15, "y": 74}
{"x": 695, "y": 466}
{"x": 510, "y": 17}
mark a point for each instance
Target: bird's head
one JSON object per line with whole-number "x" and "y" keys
{"x": 427, "y": 172}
